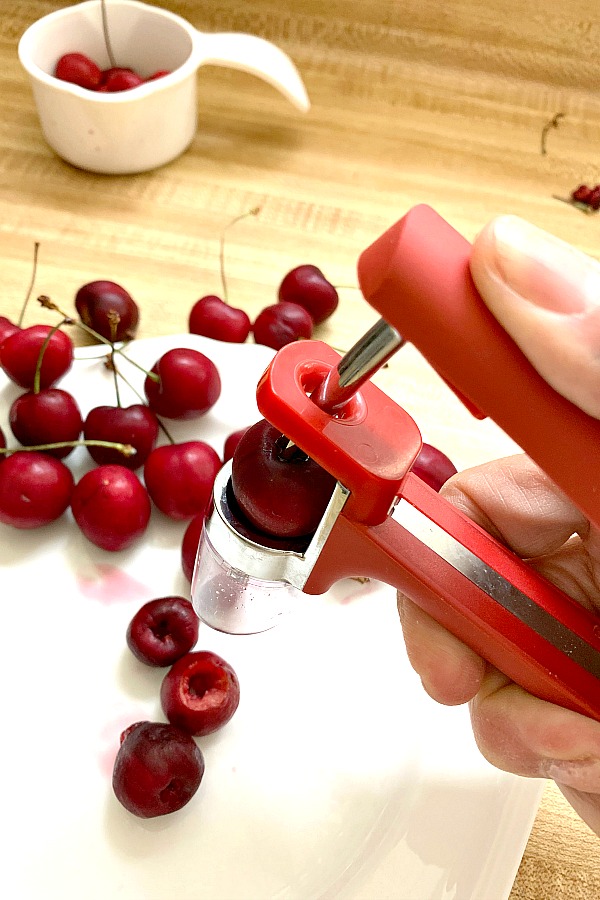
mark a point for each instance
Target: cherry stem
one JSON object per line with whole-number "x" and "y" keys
{"x": 111, "y": 363}
{"x": 125, "y": 449}
{"x": 38, "y": 366}
{"x": 552, "y": 123}
{"x": 36, "y": 248}
{"x": 106, "y": 34}
{"x": 588, "y": 210}
{"x": 162, "y": 426}
{"x": 165, "y": 430}
{"x": 47, "y": 303}
{"x": 251, "y": 212}
{"x": 114, "y": 319}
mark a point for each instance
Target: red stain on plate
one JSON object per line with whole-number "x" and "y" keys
{"x": 109, "y": 584}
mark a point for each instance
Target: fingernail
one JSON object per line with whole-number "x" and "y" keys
{"x": 542, "y": 269}
{"x": 580, "y": 774}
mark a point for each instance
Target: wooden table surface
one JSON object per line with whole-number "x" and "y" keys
{"x": 411, "y": 102}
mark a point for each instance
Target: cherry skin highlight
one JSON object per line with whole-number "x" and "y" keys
{"x": 307, "y": 286}
{"x": 20, "y": 351}
{"x": 49, "y": 416}
{"x": 111, "y": 507}
{"x": 136, "y": 425}
{"x": 200, "y": 693}
{"x": 284, "y": 497}
{"x": 281, "y": 324}
{"x": 433, "y": 467}
{"x": 35, "y": 489}
{"x": 212, "y": 317}
{"x": 188, "y": 384}
{"x": 162, "y": 631}
{"x": 108, "y": 309}
{"x": 158, "y": 769}
{"x": 180, "y": 477}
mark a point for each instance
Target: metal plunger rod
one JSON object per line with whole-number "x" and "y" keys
{"x": 358, "y": 365}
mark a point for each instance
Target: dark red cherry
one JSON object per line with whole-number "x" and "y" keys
{"x": 158, "y": 769}
{"x": 593, "y": 199}
{"x": 35, "y": 489}
{"x": 282, "y": 323}
{"x": 111, "y": 507}
{"x": 200, "y": 693}
{"x": 163, "y": 630}
{"x": 188, "y": 384}
{"x": 49, "y": 416}
{"x": 307, "y": 286}
{"x": 231, "y": 442}
{"x": 581, "y": 193}
{"x": 433, "y": 467}
{"x": 135, "y": 425}
{"x": 20, "y": 352}
{"x": 189, "y": 544}
{"x": 180, "y": 477}
{"x": 109, "y": 309}
{"x": 212, "y": 317}
{"x": 282, "y": 494}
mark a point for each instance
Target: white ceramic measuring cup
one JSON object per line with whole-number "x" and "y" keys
{"x": 148, "y": 126}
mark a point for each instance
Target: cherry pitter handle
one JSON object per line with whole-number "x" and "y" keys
{"x": 385, "y": 523}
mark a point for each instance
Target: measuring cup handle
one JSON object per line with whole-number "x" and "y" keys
{"x": 256, "y": 56}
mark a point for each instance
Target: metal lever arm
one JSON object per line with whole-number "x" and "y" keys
{"x": 478, "y": 589}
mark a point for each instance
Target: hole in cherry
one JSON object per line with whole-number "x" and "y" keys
{"x": 160, "y": 629}
{"x": 199, "y": 685}
{"x": 172, "y": 789}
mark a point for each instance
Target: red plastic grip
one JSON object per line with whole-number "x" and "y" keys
{"x": 417, "y": 276}
{"x": 547, "y": 642}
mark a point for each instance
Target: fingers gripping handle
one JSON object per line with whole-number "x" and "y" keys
{"x": 477, "y": 589}
{"x": 417, "y": 277}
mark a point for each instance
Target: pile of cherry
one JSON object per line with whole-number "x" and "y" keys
{"x": 281, "y": 494}
{"x": 159, "y": 767}
{"x": 586, "y": 197}
{"x": 79, "y": 69}
{"x": 109, "y": 503}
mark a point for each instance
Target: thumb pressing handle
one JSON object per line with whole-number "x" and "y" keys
{"x": 257, "y": 56}
{"x": 417, "y": 277}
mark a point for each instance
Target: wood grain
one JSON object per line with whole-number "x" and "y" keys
{"x": 412, "y": 102}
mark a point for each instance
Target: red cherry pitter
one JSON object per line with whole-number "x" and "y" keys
{"x": 382, "y": 521}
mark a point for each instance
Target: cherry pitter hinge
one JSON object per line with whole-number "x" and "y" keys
{"x": 385, "y": 523}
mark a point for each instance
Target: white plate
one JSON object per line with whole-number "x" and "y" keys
{"x": 336, "y": 778}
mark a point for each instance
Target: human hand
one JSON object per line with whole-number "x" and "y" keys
{"x": 546, "y": 295}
